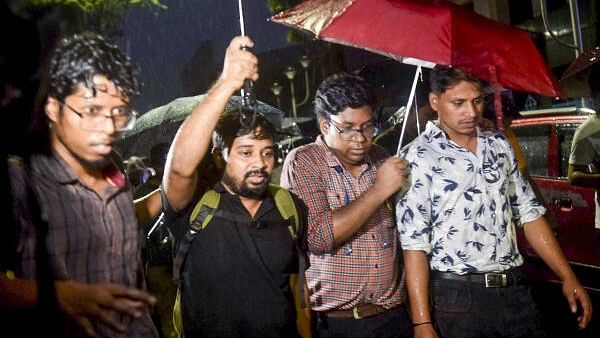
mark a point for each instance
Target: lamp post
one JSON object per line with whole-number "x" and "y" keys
{"x": 290, "y": 73}
{"x": 276, "y": 90}
{"x": 305, "y": 63}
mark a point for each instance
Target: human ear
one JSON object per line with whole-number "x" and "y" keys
{"x": 52, "y": 109}
{"x": 433, "y": 101}
{"x": 323, "y": 125}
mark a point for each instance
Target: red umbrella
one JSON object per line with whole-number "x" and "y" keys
{"x": 429, "y": 32}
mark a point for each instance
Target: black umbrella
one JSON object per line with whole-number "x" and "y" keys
{"x": 160, "y": 124}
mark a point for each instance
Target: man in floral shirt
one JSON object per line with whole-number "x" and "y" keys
{"x": 457, "y": 225}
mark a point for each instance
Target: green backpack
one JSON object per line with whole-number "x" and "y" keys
{"x": 203, "y": 213}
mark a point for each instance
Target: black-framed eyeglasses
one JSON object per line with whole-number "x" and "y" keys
{"x": 92, "y": 119}
{"x": 369, "y": 131}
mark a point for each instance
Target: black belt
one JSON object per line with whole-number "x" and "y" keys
{"x": 489, "y": 279}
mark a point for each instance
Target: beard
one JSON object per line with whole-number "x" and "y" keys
{"x": 95, "y": 165}
{"x": 241, "y": 188}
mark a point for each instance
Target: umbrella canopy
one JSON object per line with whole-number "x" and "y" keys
{"x": 429, "y": 32}
{"x": 160, "y": 124}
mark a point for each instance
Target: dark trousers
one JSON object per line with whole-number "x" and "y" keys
{"x": 393, "y": 323}
{"x": 463, "y": 309}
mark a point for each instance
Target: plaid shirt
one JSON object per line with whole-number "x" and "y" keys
{"x": 365, "y": 269}
{"x": 90, "y": 239}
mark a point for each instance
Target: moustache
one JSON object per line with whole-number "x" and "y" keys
{"x": 257, "y": 172}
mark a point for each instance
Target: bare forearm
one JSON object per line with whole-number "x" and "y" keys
{"x": 541, "y": 238}
{"x": 579, "y": 176}
{"x": 191, "y": 145}
{"x": 417, "y": 279}
{"x": 348, "y": 220}
{"x": 586, "y": 180}
{"x": 148, "y": 207}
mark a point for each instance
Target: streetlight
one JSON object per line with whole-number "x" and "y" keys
{"x": 276, "y": 90}
{"x": 290, "y": 73}
{"x": 305, "y": 63}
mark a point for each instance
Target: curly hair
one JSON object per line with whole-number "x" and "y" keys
{"x": 340, "y": 91}
{"x": 229, "y": 128}
{"x": 442, "y": 78}
{"x": 77, "y": 59}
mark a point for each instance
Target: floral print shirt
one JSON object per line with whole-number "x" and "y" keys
{"x": 461, "y": 207}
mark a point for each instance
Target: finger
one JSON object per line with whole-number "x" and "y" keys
{"x": 130, "y": 307}
{"x": 87, "y": 326}
{"x": 241, "y": 41}
{"x": 131, "y": 293}
{"x": 572, "y": 303}
{"x": 109, "y": 318}
{"x": 586, "y": 307}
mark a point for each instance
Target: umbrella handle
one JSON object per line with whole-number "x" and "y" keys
{"x": 248, "y": 108}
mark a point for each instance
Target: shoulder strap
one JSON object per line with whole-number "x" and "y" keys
{"x": 201, "y": 215}
{"x": 286, "y": 207}
{"x": 203, "y": 211}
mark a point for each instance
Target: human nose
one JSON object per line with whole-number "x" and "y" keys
{"x": 358, "y": 135}
{"x": 259, "y": 161}
{"x": 471, "y": 110}
{"x": 107, "y": 124}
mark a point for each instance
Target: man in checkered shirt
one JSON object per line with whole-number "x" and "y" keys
{"x": 355, "y": 279}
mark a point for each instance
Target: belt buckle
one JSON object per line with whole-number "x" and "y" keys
{"x": 495, "y": 280}
{"x": 355, "y": 313}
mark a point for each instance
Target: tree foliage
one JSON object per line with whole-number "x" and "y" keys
{"x": 95, "y": 5}
{"x": 102, "y": 16}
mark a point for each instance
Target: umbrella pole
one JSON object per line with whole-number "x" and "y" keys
{"x": 408, "y": 107}
{"x": 248, "y": 109}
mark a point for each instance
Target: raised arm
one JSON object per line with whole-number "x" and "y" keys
{"x": 194, "y": 136}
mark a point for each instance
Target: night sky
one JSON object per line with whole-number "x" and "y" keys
{"x": 180, "y": 49}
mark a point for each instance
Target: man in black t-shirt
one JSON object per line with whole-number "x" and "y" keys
{"x": 234, "y": 281}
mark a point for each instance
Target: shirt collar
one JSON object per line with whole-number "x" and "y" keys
{"x": 436, "y": 137}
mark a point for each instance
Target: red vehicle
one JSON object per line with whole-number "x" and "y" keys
{"x": 544, "y": 137}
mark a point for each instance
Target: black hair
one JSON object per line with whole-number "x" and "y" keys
{"x": 229, "y": 127}
{"x": 341, "y": 91}
{"x": 443, "y": 77}
{"x": 78, "y": 58}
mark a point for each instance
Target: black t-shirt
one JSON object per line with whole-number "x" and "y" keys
{"x": 235, "y": 279}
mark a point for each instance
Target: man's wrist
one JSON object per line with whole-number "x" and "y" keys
{"x": 428, "y": 322}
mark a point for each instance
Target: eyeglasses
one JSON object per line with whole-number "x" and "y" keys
{"x": 369, "y": 130}
{"x": 92, "y": 119}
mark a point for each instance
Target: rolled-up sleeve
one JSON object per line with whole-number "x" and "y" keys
{"x": 525, "y": 204}
{"x": 300, "y": 175}
{"x": 413, "y": 210}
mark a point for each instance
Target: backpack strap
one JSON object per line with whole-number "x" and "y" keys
{"x": 286, "y": 207}
{"x": 201, "y": 215}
